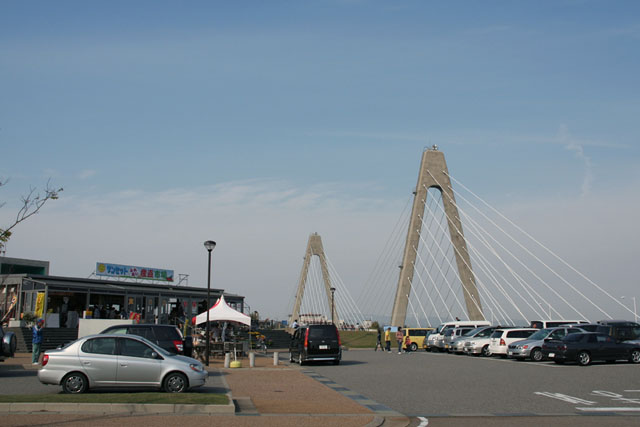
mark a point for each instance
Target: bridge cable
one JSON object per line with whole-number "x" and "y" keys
{"x": 540, "y": 261}
{"x": 549, "y": 251}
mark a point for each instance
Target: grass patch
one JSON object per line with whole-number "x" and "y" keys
{"x": 170, "y": 398}
{"x": 359, "y": 339}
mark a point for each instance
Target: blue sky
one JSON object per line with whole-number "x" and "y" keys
{"x": 133, "y": 105}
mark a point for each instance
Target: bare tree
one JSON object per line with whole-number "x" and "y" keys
{"x": 31, "y": 205}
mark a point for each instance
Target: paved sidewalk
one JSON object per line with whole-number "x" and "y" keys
{"x": 265, "y": 395}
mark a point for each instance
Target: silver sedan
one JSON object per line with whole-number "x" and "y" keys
{"x": 119, "y": 361}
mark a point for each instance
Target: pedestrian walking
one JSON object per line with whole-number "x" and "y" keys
{"x": 387, "y": 339}
{"x": 36, "y": 341}
{"x": 379, "y": 341}
{"x": 400, "y": 339}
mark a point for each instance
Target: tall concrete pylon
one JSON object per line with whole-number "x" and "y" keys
{"x": 314, "y": 247}
{"x": 434, "y": 174}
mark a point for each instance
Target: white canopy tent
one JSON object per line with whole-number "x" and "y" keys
{"x": 222, "y": 312}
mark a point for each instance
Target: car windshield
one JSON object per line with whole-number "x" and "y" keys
{"x": 541, "y": 334}
{"x": 473, "y": 332}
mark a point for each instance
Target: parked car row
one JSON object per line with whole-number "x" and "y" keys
{"x": 577, "y": 341}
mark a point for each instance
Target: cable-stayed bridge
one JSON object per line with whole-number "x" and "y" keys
{"x": 453, "y": 255}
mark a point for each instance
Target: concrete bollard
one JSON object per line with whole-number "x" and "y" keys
{"x": 275, "y": 358}
{"x": 227, "y": 360}
{"x": 252, "y": 360}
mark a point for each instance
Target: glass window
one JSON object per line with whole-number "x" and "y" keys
{"x": 485, "y": 333}
{"x": 167, "y": 333}
{"x": 557, "y": 334}
{"x": 135, "y": 348}
{"x": 574, "y": 337}
{"x": 122, "y": 331}
{"x": 143, "y": 332}
{"x": 323, "y": 331}
{"x": 100, "y": 346}
{"x": 497, "y": 334}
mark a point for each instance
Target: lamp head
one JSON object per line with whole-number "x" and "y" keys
{"x": 209, "y": 244}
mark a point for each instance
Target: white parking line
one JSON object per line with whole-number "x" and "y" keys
{"x": 423, "y": 422}
{"x": 618, "y": 409}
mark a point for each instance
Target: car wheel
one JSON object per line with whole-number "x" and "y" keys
{"x": 414, "y": 347}
{"x": 336, "y": 362}
{"x": 584, "y": 358}
{"x": 75, "y": 383}
{"x": 175, "y": 382}
{"x": 536, "y": 355}
{"x": 635, "y": 356}
{"x": 485, "y": 351}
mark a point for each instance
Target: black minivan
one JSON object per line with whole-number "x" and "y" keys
{"x": 168, "y": 337}
{"x": 315, "y": 343}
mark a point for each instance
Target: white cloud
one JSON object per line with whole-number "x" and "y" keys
{"x": 262, "y": 228}
{"x": 572, "y": 145}
{"x": 87, "y": 173}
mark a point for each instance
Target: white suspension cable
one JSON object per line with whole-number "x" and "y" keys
{"x": 415, "y": 316}
{"x": 537, "y": 259}
{"x": 444, "y": 304}
{"x": 517, "y": 277}
{"x": 430, "y": 300}
{"x": 550, "y": 252}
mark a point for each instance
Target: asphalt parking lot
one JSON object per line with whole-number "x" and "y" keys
{"x": 440, "y": 384}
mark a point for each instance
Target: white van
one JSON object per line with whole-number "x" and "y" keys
{"x": 543, "y": 324}
{"x": 435, "y": 341}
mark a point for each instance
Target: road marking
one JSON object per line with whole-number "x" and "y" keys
{"x": 565, "y": 398}
{"x": 623, "y": 409}
{"x": 423, "y": 422}
{"x": 615, "y": 396}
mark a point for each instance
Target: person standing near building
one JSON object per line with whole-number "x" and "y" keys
{"x": 36, "y": 341}
{"x": 400, "y": 339}
{"x": 387, "y": 339}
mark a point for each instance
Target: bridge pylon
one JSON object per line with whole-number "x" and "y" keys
{"x": 434, "y": 174}
{"x": 314, "y": 247}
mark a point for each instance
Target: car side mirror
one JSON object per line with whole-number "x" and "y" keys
{"x": 155, "y": 355}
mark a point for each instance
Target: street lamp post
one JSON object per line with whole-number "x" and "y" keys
{"x": 209, "y": 244}
{"x": 333, "y": 290}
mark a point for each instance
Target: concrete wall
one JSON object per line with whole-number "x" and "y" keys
{"x": 95, "y": 326}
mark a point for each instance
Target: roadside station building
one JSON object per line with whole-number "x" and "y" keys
{"x": 27, "y": 287}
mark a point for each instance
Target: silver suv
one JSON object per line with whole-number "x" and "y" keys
{"x": 532, "y": 346}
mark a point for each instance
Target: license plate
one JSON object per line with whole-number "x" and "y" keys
{"x": 511, "y": 353}
{"x": 323, "y": 347}
{"x": 551, "y": 355}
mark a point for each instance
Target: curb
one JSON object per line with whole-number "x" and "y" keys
{"x": 117, "y": 408}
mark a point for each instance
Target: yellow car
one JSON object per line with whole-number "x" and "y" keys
{"x": 417, "y": 336}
